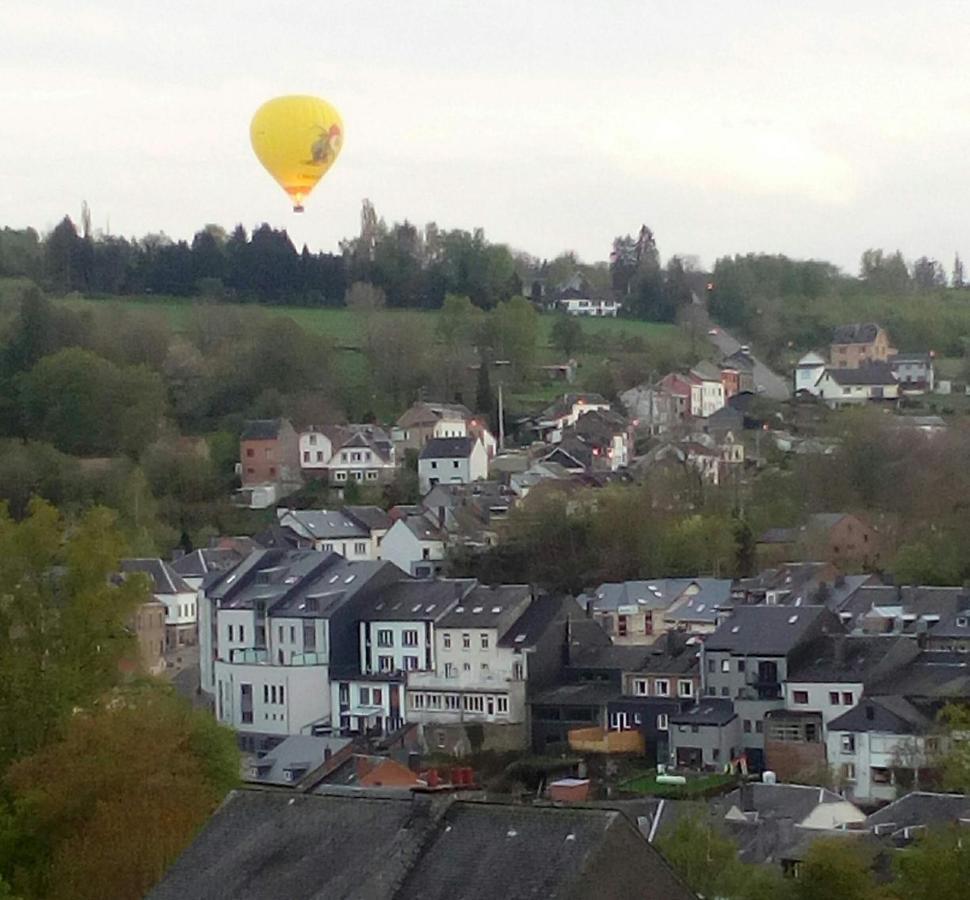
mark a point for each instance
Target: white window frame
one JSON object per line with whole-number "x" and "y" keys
{"x": 657, "y": 682}
{"x": 663, "y": 722}
{"x": 685, "y": 683}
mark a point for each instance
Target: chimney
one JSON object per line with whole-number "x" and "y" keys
{"x": 870, "y": 712}
{"x": 747, "y": 797}
{"x": 589, "y": 609}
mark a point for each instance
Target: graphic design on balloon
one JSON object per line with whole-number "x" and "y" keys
{"x": 297, "y": 139}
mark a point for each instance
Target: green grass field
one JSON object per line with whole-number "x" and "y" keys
{"x": 345, "y": 326}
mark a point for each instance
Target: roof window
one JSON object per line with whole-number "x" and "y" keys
{"x": 793, "y": 619}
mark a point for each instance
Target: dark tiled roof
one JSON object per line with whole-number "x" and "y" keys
{"x": 414, "y": 600}
{"x": 372, "y": 517}
{"x": 272, "y": 845}
{"x": 165, "y": 580}
{"x": 261, "y": 430}
{"x": 849, "y": 657}
{"x": 856, "y": 333}
{"x": 768, "y": 630}
{"x": 873, "y": 373}
{"x": 705, "y": 712}
{"x": 200, "y": 563}
{"x": 448, "y": 448}
{"x": 955, "y": 625}
{"x": 489, "y": 607}
{"x": 492, "y": 852}
{"x": 922, "y": 808}
{"x": 893, "y": 715}
{"x": 527, "y": 630}
{"x": 933, "y": 675}
{"x": 782, "y": 801}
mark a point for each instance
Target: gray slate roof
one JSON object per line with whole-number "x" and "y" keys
{"x": 200, "y": 563}
{"x": 922, "y": 808}
{"x": 892, "y": 715}
{"x": 261, "y": 430}
{"x": 933, "y": 675}
{"x": 856, "y": 333}
{"x": 299, "y": 754}
{"x": 448, "y": 448}
{"x": 955, "y": 625}
{"x": 165, "y": 580}
{"x": 788, "y": 801}
{"x": 767, "y": 630}
{"x": 877, "y": 373}
{"x": 489, "y": 607}
{"x": 707, "y": 711}
{"x": 538, "y": 617}
{"x": 323, "y": 524}
{"x": 414, "y": 600}
{"x": 272, "y": 845}
{"x": 850, "y": 658}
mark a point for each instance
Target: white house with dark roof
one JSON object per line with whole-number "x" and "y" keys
{"x": 348, "y": 453}
{"x": 195, "y": 567}
{"x": 458, "y": 460}
{"x": 271, "y": 629}
{"x": 355, "y": 533}
{"x": 808, "y": 370}
{"x": 478, "y": 677}
{"x": 873, "y": 744}
{"x": 637, "y": 612}
{"x": 180, "y": 599}
{"x": 844, "y": 387}
{"x": 914, "y": 371}
{"x": 396, "y": 636}
{"x": 416, "y": 545}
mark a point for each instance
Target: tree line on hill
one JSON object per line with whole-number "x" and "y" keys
{"x": 786, "y": 303}
{"x": 415, "y": 268}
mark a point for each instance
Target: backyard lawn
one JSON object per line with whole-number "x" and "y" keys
{"x": 698, "y": 786}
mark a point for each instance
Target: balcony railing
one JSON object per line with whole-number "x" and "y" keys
{"x": 260, "y": 657}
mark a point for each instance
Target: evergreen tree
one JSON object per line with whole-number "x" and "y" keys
{"x": 484, "y": 401}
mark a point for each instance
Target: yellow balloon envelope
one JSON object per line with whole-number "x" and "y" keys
{"x": 297, "y": 139}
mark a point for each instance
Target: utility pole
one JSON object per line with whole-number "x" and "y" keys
{"x": 501, "y": 419}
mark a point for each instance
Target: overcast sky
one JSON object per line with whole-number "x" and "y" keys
{"x": 814, "y": 129}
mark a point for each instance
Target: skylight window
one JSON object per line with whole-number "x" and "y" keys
{"x": 793, "y": 619}
{"x": 416, "y": 607}
{"x": 519, "y": 638}
{"x": 496, "y": 610}
{"x": 459, "y": 609}
{"x": 477, "y": 609}
{"x": 334, "y": 579}
{"x": 735, "y": 629}
{"x": 349, "y": 578}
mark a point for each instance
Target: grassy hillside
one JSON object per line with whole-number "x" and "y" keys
{"x": 345, "y": 326}
{"x": 618, "y": 352}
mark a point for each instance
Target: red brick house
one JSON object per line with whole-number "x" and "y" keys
{"x": 269, "y": 460}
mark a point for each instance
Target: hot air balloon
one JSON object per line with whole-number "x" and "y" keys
{"x": 297, "y": 139}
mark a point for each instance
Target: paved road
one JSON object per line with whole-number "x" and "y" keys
{"x": 775, "y": 387}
